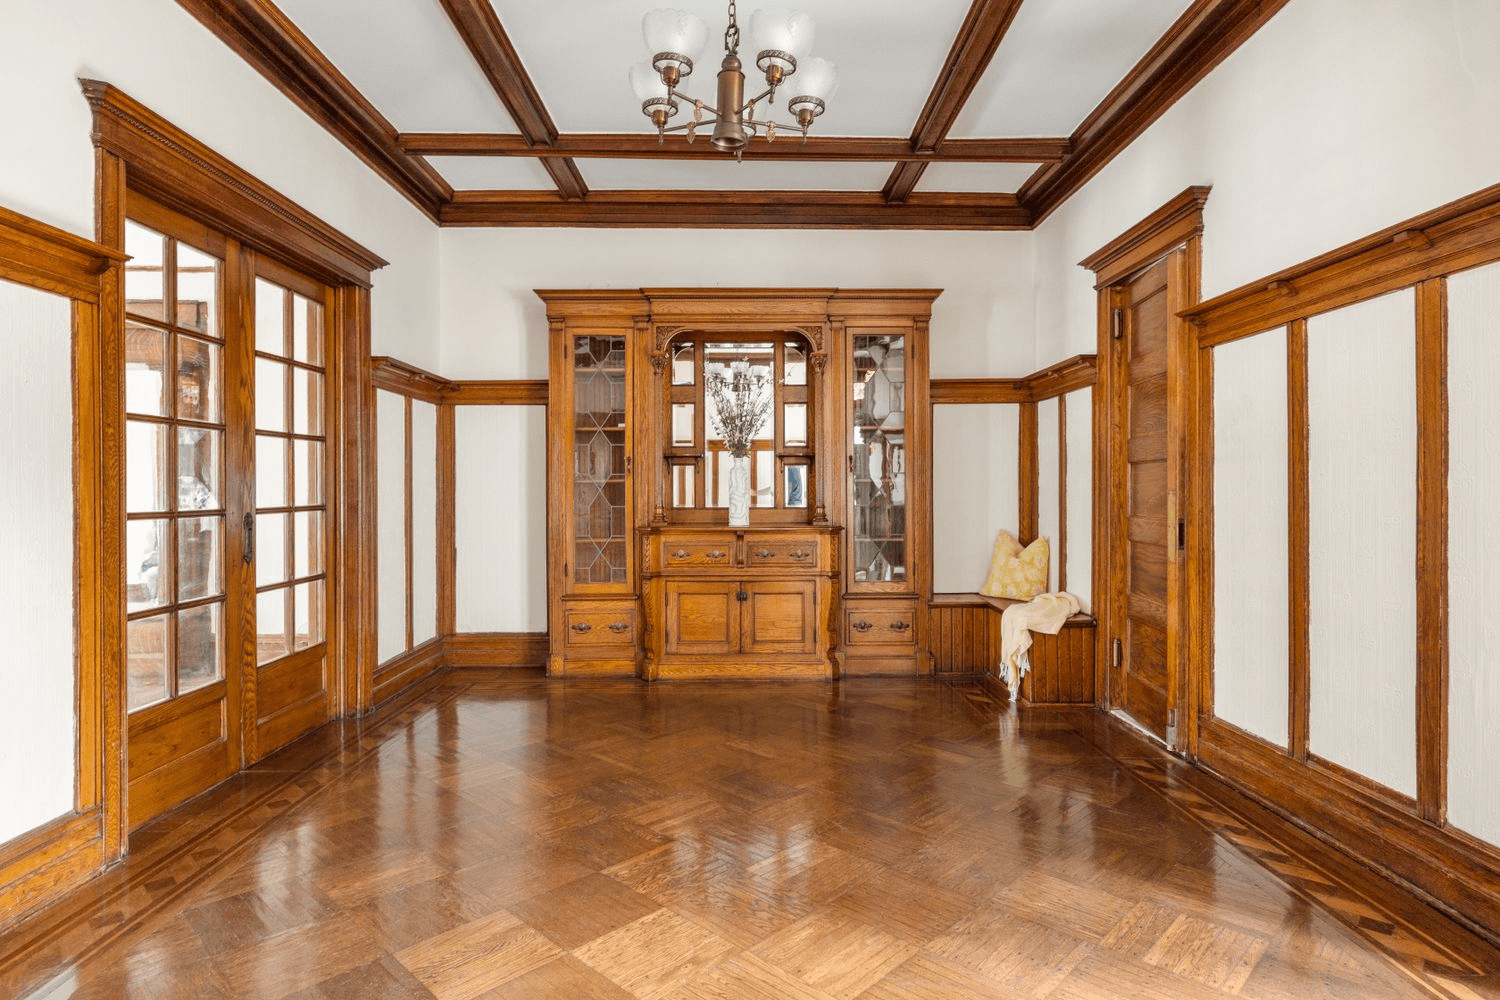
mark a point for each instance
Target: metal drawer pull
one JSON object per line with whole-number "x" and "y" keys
{"x": 763, "y": 553}
{"x": 619, "y": 627}
{"x": 715, "y": 554}
{"x": 680, "y": 554}
{"x": 582, "y": 627}
{"x": 861, "y": 626}
{"x": 799, "y": 553}
{"x": 900, "y": 626}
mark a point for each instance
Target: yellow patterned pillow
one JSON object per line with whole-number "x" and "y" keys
{"x": 1016, "y": 573}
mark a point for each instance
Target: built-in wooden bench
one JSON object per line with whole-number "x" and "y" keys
{"x": 965, "y": 639}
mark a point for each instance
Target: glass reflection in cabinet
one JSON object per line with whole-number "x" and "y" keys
{"x": 879, "y": 437}
{"x": 599, "y": 488}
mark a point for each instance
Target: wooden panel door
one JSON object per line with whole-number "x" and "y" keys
{"x": 781, "y": 617}
{"x": 703, "y": 617}
{"x": 1139, "y": 684}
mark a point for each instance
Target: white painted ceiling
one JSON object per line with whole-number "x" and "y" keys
{"x": 1057, "y": 62}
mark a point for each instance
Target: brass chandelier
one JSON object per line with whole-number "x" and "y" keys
{"x": 677, "y": 38}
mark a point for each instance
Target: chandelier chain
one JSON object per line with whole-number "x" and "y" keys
{"x": 732, "y": 33}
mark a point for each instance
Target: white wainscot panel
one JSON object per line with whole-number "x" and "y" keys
{"x": 1049, "y": 473}
{"x": 1474, "y": 553}
{"x": 501, "y": 454}
{"x": 1251, "y": 611}
{"x": 423, "y": 521}
{"x": 976, "y": 452}
{"x": 1362, "y": 490}
{"x": 37, "y": 723}
{"x": 1080, "y": 434}
{"x": 390, "y": 525}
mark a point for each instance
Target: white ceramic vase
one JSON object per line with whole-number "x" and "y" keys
{"x": 739, "y": 491}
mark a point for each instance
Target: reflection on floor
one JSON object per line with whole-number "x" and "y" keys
{"x": 498, "y": 835}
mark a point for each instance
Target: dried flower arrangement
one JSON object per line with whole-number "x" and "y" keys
{"x": 741, "y": 402}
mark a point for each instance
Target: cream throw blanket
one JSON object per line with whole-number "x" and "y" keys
{"x": 1041, "y": 614}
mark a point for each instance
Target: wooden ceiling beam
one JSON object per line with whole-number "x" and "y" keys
{"x": 981, "y": 34}
{"x": 261, "y": 34}
{"x": 736, "y": 210}
{"x": 644, "y": 146}
{"x": 480, "y": 28}
{"x": 1199, "y": 40}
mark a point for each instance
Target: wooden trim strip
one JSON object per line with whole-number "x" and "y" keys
{"x": 1299, "y": 541}
{"x": 268, "y": 41}
{"x": 1165, "y": 229}
{"x": 1201, "y": 38}
{"x": 1455, "y": 873}
{"x": 1028, "y": 475}
{"x": 447, "y": 520}
{"x": 407, "y": 519}
{"x": 979, "y": 390}
{"x": 495, "y": 649}
{"x": 480, "y": 28}
{"x": 411, "y": 667}
{"x": 1062, "y": 493}
{"x": 507, "y": 392}
{"x": 1458, "y": 235}
{"x": 824, "y": 149}
{"x": 35, "y": 254}
{"x": 168, "y": 165}
{"x": 407, "y": 380}
{"x": 1068, "y": 375}
{"x": 41, "y": 865}
{"x": 1432, "y": 549}
{"x": 737, "y": 210}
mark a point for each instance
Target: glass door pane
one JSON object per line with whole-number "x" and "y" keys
{"x": 599, "y": 447}
{"x": 879, "y": 439}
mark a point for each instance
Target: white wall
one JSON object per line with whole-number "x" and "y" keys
{"x": 1473, "y": 552}
{"x": 1339, "y": 118}
{"x": 1081, "y": 495}
{"x": 976, "y": 461}
{"x": 1048, "y": 479}
{"x": 158, "y": 54}
{"x": 423, "y": 521}
{"x": 38, "y": 723}
{"x": 501, "y": 518}
{"x": 1362, "y": 530}
{"x": 390, "y": 524}
{"x": 1252, "y": 620}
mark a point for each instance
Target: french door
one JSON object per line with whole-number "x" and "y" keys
{"x": 226, "y": 476}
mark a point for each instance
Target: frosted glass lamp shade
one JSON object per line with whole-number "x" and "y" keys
{"x": 776, "y": 29}
{"x": 674, "y": 31}
{"x": 816, "y": 80}
{"x": 647, "y": 83}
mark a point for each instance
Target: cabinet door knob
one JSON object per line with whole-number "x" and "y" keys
{"x": 619, "y": 627}
{"x": 680, "y": 554}
{"x": 715, "y": 554}
{"x": 900, "y": 626}
{"x": 741, "y": 596}
{"x": 799, "y": 553}
{"x": 581, "y": 627}
{"x": 763, "y": 553}
{"x": 861, "y": 626}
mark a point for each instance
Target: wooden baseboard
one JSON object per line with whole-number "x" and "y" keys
{"x": 401, "y": 672}
{"x": 495, "y": 649}
{"x": 1452, "y": 871}
{"x": 38, "y": 867}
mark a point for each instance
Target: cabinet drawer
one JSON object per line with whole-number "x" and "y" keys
{"x": 692, "y": 552}
{"x": 890, "y": 623}
{"x": 801, "y": 552}
{"x": 595, "y": 625}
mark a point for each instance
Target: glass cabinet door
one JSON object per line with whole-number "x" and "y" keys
{"x": 600, "y": 495}
{"x": 878, "y": 440}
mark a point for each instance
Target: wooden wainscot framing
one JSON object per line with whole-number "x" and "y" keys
{"x": 39, "y": 866}
{"x": 1407, "y": 839}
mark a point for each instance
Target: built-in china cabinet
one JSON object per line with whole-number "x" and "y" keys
{"x": 739, "y": 482}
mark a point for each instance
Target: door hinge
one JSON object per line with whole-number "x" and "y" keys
{"x": 1117, "y": 324}
{"x": 1116, "y": 653}
{"x": 1172, "y": 728}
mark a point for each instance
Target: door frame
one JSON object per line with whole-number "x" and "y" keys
{"x": 1173, "y": 231}
{"x": 137, "y": 150}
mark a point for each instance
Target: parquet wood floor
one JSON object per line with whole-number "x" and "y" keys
{"x": 504, "y": 836}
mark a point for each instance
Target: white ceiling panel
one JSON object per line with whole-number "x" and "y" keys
{"x": 493, "y": 173}
{"x": 578, "y": 53}
{"x": 746, "y": 175}
{"x": 1059, "y": 59}
{"x": 408, "y": 60}
{"x": 975, "y": 177}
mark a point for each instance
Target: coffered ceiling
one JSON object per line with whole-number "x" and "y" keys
{"x": 950, "y": 114}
